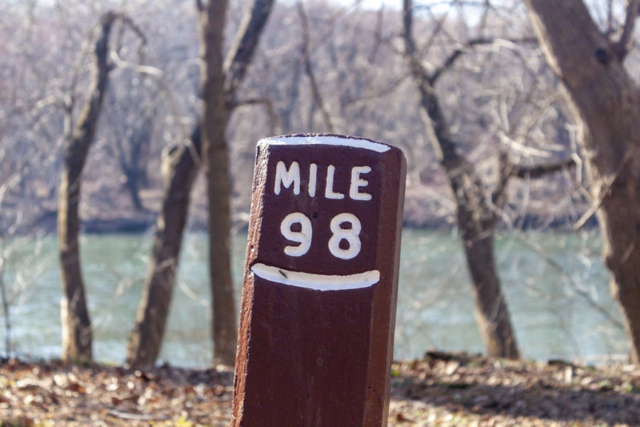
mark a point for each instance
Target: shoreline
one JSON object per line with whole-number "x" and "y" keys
{"x": 143, "y": 223}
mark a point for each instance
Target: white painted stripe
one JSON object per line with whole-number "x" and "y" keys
{"x": 329, "y": 140}
{"x": 319, "y": 282}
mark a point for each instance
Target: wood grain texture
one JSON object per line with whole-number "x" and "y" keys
{"x": 319, "y": 358}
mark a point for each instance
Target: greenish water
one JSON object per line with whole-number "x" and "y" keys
{"x": 435, "y": 307}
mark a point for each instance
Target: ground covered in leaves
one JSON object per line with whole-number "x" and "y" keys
{"x": 441, "y": 390}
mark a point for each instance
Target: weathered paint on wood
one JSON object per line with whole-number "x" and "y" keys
{"x": 320, "y": 286}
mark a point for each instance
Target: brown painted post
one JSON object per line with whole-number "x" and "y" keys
{"x": 320, "y": 285}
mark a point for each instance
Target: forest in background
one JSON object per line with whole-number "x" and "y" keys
{"x": 143, "y": 115}
{"x": 498, "y": 95}
{"x": 508, "y": 119}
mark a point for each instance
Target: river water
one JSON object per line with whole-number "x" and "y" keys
{"x": 555, "y": 284}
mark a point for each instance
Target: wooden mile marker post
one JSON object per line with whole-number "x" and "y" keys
{"x": 320, "y": 286}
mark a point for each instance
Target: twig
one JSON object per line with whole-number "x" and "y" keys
{"x": 610, "y": 18}
{"x": 308, "y": 67}
{"x": 244, "y": 46}
{"x": 165, "y": 88}
{"x": 374, "y": 94}
{"x": 539, "y": 171}
{"x": 135, "y": 417}
{"x": 595, "y": 206}
{"x": 621, "y": 48}
{"x": 268, "y": 105}
{"x": 457, "y": 54}
{"x": 498, "y": 198}
{"x": 377, "y": 36}
{"x": 578, "y": 289}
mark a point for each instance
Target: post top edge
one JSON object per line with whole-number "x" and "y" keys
{"x": 328, "y": 139}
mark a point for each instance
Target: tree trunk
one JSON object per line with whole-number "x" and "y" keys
{"x": 77, "y": 334}
{"x": 606, "y": 103}
{"x": 180, "y": 167}
{"x": 133, "y": 168}
{"x": 475, "y": 219}
{"x": 132, "y": 184}
{"x": 490, "y": 305}
{"x": 292, "y": 95}
{"x": 216, "y": 159}
{"x": 156, "y": 297}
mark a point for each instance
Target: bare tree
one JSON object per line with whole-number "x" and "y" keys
{"x": 76, "y": 330}
{"x": 131, "y": 116}
{"x": 216, "y": 159}
{"x": 181, "y": 165}
{"x": 477, "y": 210}
{"x": 606, "y": 103}
{"x": 77, "y": 334}
{"x": 491, "y": 91}
{"x": 318, "y": 101}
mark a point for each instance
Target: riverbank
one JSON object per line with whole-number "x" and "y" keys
{"x": 142, "y": 222}
{"x": 441, "y": 390}
{"x": 541, "y": 273}
{"x": 108, "y": 210}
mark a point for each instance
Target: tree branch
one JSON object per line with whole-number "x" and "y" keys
{"x": 379, "y": 93}
{"x": 610, "y": 18}
{"x": 268, "y": 105}
{"x": 377, "y": 35}
{"x": 244, "y": 46}
{"x": 252, "y": 101}
{"x": 410, "y": 51}
{"x": 608, "y": 184}
{"x": 505, "y": 170}
{"x": 457, "y": 54}
{"x": 539, "y": 171}
{"x": 583, "y": 293}
{"x": 128, "y": 22}
{"x": 508, "y": 170}
{"x": 308, "y": 68}
{"x": 621, "y": 48}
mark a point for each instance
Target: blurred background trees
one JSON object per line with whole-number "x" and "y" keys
{"x": 220, "y": 81}
{"x": 493, "y": 145}
{"x": 605, "y": 100}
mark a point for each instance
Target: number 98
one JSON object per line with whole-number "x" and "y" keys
{"x": 305, "y": 235}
